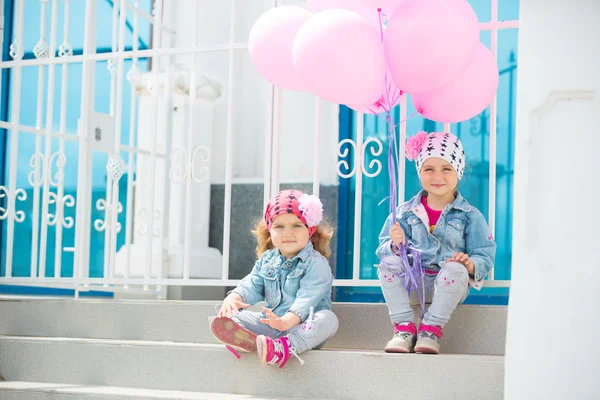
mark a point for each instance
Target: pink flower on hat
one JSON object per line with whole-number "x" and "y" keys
{"x": 311, "y": 208}
{"x": 414, "y": 145}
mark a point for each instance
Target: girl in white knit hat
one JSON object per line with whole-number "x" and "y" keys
{"x": 452, "y": 237}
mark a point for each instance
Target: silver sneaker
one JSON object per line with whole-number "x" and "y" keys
{"x": 403, "y": 340}
{"x": 428, "y": 340}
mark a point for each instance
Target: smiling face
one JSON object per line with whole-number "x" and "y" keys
{"x": 438, "y": 177}
{"x": 447, "y": 281}
{"x": 289, "y": 235}
{"x": 389, "y": 276}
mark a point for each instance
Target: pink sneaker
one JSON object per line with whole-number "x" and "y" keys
{"x": 275, "y": 351}
{"x": 233, "y": 336}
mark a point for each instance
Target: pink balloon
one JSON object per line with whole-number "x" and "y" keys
{"x": 357, "y": 6}
{"x": 339, "y": 55}
{"x": 388, "y": 6}
{"x": 428, "y": 42}
{"x": 271, "y": 43}
{"x": 390, "y": 97}
{"x": 379, "y": 107}
{"x": 467, "y": 95}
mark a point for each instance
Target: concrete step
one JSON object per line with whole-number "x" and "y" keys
{"x": 58, "y": 391}
{"x": 335, "y": 374}
{"x": 472, "y": 329}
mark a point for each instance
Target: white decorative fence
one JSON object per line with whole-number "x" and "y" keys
{"x": 165, "y": 161}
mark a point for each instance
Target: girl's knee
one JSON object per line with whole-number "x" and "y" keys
{"x": 388, "y": 278}
{"x": 326, "y": 317}
{"x": 332, "y": 320}
{"x": 455, "y": 269}
{"x": 453, "y": 275}
{"x": 324, "y": 321}
{"x": 327, "y": 314}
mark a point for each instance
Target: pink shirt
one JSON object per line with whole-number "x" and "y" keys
{"x": 433, "y": 215}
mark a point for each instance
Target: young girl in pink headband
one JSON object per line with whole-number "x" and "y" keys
{"x": 294, "y": 278}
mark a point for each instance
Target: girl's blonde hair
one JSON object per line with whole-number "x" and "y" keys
{"x": 320, "y": 240}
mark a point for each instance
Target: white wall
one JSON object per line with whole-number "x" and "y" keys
{"x": 212, "y": 20}
{"x": 554, "y": 321}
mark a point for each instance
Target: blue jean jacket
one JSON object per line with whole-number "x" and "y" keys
{"x": 460, "y": 228}
{"x": 295, "y": 285}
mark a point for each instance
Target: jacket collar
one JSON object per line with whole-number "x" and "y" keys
{"x": 459, "y": 202}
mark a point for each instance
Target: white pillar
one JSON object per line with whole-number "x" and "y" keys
{"x": 168, "y": 246}
{"x": 552, "y": 349}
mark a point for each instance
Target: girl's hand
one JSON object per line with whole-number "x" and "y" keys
{"x": 397, "y": 235}
{"x": 464, "y": 260}
{"x": 231, "y": 305}
{"x": 273, "y": 320}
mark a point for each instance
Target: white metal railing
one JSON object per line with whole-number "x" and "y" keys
{"x": 43, "y": 183}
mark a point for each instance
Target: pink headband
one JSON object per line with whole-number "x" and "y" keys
{"x": 307, "y": 208}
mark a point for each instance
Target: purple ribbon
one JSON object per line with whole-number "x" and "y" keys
{"x": 412, "y": 276}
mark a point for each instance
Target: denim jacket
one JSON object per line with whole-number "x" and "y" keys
{"x": 460, "y": 228}
{"x": 293, "y": 285}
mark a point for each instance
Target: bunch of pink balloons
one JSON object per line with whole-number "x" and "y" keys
{"x": 368, "y": 53}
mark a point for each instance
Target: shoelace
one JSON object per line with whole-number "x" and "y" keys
{"x": 293, "y": 352}
{"x": 403, "y": 335}
{"x": 278, "y": 347}
{"x": 429, "y": 335}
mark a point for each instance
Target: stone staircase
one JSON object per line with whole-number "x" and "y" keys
{"x": 105, "y": 349}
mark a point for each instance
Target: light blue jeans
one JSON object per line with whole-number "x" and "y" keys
{"x": 445, "y": 291}
{"x": 311, "y": 334}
